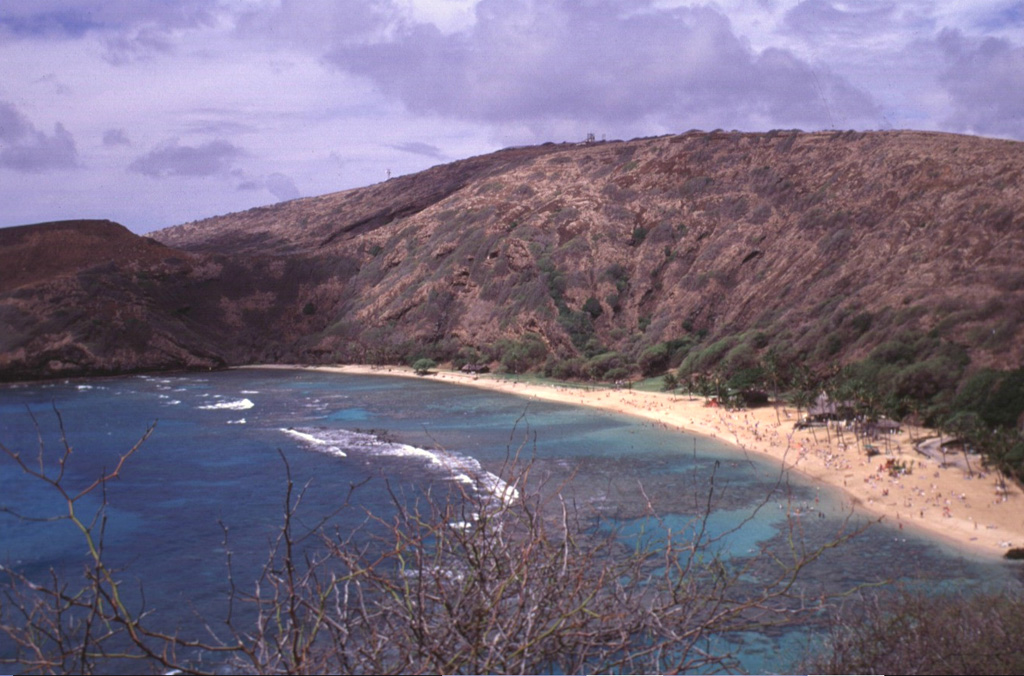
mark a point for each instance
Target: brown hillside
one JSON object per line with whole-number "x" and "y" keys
{"x": 825, "y": 247}
{"x": 90, "y": 297}
{"x": 794, "y": 235}
{"x": 310, "y": 224}
{"x": 32, "y": 253}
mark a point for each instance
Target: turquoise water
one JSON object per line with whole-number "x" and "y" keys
{"x": 216, "y": 460}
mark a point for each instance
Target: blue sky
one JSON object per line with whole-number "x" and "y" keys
{"x": 154, "y": 113}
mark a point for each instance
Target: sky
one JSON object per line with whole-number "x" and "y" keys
{"x": 154, "y": 113}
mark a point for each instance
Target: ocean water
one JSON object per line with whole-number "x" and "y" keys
{"x": 211, "y": 479}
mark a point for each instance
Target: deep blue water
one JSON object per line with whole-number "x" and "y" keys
{"x": 214, "y": 461}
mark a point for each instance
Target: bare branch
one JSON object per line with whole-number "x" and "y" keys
{"x": 453, "y": 581}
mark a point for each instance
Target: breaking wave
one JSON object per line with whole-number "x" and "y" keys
{"x": 315, "y": 442}
{"x": 236, "y": 405}
{"x": 454, "y": 466}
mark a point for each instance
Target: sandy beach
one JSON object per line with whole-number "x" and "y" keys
{"x": 966, "y": 509}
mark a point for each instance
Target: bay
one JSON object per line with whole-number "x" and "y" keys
{"x": 210, "y": 479}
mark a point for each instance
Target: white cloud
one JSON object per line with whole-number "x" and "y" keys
{"x": 25, "y": 148}
{"x": 288, "y": 97}
{"x": 528, "y": 62}
{"x": 115, "y": 137}
{"x": 171, "y": 159}
{"x": 280, "y": 186}
{"x": 985, "y": 81}
{"x": 823, "y": 19}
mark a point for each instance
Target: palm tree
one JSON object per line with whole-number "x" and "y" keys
{"x": 995, "y": 446}
{"x": 773, "y": 370}
{"x": 970, "y": 429}
{"x": 804, "y": 388}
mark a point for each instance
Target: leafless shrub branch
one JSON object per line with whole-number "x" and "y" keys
{"x": 456, "y": 581}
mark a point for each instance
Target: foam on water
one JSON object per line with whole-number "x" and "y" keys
{"x": 455, "y": 466}
{"x": 198, "y": 470}
{"x": 236, "y": 405}
{"x": 314, "y": 442}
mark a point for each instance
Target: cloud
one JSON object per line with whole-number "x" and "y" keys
{"x": 318, "y": 89}
{"x": 998, "y": 17}
{"x": 821, "y": 18}
{"x": 532, "y": 60}
{"x": 128, "y": 30}
{"x": 30, "y": 19}
{"x": 280, "y": 186}
{"x": 984, "y": 79}
{"x": 25, "y": 148}
{"x": 418, "y": 148}
{"x": 136, "y": 45}
{"x": 317, "y": 23}
{"x": 75, "y": 18}
{"x": 171, "y": 159}
{"x": 216, "y": 123}
{"x": 115, "y": 137}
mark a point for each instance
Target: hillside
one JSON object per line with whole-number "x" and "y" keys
{"x": 90, "y": 297}
{"x": 38, "y": 253}
{"x": 703, "y": 249}
{"x": 828, "y": 243}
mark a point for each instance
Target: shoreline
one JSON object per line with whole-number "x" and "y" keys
{"x": 941, "y": 502}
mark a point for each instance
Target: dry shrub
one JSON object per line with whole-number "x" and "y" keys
{"x": 914, "y": 633}
{"x": 514, "y": 580}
